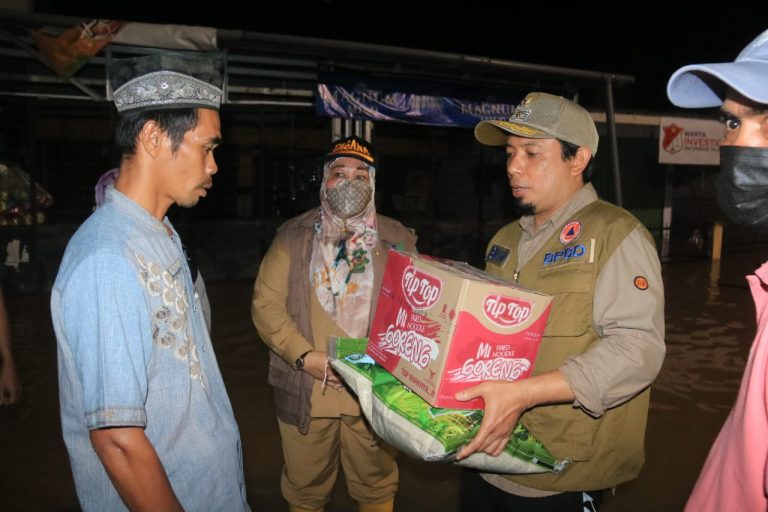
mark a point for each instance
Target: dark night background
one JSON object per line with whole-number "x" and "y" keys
{"x": 437, "y": 179}
{"x": 647, "y": 42}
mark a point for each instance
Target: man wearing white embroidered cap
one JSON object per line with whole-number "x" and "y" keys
{"x": 734, "y": 475}
{"x": 145, "y": 415}
{"x": 587, "y": 400}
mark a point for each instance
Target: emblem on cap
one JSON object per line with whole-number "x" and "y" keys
{"x": 523, "y": 111}
{"x": 570, "y": 232}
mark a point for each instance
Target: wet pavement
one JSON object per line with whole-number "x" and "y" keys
{"x": 709, "y": 331}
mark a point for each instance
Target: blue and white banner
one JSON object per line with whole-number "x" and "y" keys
{"x": 380, "y": 101}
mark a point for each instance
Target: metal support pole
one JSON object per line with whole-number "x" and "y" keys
{"x": 610, "y": 118}
{"x": 717, "y": 241}
{"x": 342, "y": 127}
{"x": 666, "y": 222}
{"x": 336, "y": 129}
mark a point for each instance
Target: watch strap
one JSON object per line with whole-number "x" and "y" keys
{"x": 299, "y": 363}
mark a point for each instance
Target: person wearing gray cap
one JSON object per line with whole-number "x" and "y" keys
{"x": 145, "y": 415}
{"x": 734, "y": 474}
{"x": 604, "y": 342}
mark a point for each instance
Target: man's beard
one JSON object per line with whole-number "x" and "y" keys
{"x": 525, "y": 210}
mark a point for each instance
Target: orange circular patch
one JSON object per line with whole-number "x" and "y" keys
{"x": 641, "y": 283}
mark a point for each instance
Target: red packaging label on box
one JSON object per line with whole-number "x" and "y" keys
{"x": 442, "y": 326}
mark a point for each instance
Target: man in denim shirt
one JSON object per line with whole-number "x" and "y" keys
{"x": 145, "y": 415}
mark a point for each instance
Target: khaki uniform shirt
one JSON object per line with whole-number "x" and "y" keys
{"x": 284, "y": 336}
{"x": 602, "y": 378}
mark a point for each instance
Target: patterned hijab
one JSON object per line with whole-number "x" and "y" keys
{"x": 340, "y": 268}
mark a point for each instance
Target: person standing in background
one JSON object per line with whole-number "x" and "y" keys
{"x": 10, "y": 385}
{"x": 734, "y": 476}
{"x": 320, "y": 278}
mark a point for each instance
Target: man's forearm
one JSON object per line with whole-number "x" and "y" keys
{"x": 134, "y": 468}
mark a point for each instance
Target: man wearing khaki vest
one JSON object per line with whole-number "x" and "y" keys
{"x": 587, "y": 400}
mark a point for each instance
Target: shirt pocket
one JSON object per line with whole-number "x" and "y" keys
{"x": 282, "y": 376}
{"x": 567, "y": 432}
{"x": 571, "y": 287}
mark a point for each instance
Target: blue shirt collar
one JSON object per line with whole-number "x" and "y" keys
{"x": 135, "y": 211}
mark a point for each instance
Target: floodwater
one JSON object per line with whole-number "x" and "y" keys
{"x": 709, "y": 331}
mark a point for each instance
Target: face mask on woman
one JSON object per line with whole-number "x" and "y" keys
{"x": 348, "y": 198}
{"x": 742, "y": 186}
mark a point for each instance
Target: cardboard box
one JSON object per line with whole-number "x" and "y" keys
{"x": 442, "y": 326}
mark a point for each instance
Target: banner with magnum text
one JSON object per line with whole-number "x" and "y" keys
{"x": 416, "y": 103}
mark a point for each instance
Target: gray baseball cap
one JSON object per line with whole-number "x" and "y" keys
{"x": 543, "y": 116}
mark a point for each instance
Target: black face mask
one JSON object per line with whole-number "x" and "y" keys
{"x": 742, "y": 186}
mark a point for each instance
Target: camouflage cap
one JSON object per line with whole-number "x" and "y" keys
{"x": 543, "y": 116}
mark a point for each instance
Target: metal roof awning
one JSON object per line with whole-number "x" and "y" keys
{"x": 275, "y": 68}
{"x": 282, "y": 70}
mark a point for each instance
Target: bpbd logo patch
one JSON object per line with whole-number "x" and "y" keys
{"x": 568, "y": 253}
{"x": 570, "y": 232}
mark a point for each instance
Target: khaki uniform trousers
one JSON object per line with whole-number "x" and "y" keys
{"x": 312, "y": 462}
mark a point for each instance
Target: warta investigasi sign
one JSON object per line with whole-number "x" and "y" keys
{"x": 689, "y": 141}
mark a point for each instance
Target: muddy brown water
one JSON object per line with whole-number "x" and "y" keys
{"x": 709, "y": 331}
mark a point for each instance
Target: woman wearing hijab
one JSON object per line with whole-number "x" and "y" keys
{"x": 320, "y": 278}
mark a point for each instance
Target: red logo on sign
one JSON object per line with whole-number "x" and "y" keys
{"x": 421, "y": 289}
{"x": 672, "y": 142}
{"x": 506, "y": 311}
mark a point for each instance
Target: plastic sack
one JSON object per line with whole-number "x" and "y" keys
{"x": 407, "y": 422}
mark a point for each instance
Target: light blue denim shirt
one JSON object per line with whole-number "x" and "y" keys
{"x": 134, "y": 351}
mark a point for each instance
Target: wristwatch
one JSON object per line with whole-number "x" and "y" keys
{"x": 299, "y": 363}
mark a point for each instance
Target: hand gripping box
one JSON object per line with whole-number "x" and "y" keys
{"x": 442, "y": 326}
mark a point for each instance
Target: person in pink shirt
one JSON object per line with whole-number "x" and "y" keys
{"x": 734, "y": 474}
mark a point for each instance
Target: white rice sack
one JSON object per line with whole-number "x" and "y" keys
{"x": 407, "y": 422}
